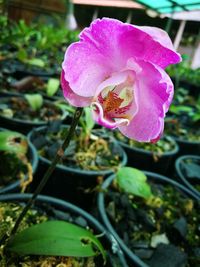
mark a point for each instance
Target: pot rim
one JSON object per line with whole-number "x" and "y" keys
{"x": 182, "y": 176}
{"x": 63, "y": 114}
{"x": 34, "y": 160}
{"x": 79, "y": 171}
{"x": 172, "y": 152}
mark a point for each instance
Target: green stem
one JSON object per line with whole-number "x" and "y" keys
{"x": 49, "y": 171}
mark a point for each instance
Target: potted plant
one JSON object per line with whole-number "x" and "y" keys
{"x": 28, "y": 85}
{"x": 188, "y": 171}
{"x": 18, "y": 161}
{"x": 49, "y": 88}
{"x": 156, "y": 157}
{"x": 29, "y": 111}
{"x": 90, "y": 156}
{"x": 185, "y": 130}
{"x": 33, "y": 49}
{"x": 55, "y": 232}
{"x": 184, "y": 76}
{"x": 154, "y": 222}
{"x": 183, "y": 124}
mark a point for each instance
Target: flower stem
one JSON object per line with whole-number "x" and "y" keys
{"x": 50, "y": 170}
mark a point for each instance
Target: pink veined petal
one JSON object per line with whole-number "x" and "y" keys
{"x": 170, "y": 87}
{"x": 105, "y": 47}
{"x": 153, "y": 141}
{"x": 158, "y": 35}
{"x": 153, "y": 92}
{"x": 72, "y": 98}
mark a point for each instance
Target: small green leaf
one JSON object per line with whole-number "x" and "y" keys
{"x": 22, "y": 54}
{"x": 13, "y": 142}
{"x": 36, "y": 62}
{"x": 179, "y": 109}
{"x": 56, "y": 238}
{"x": 64, "y": 106}
{"x": 196, "y": 117}
{"x": 52, "y": 86}
{"x": 133, "y": 181}
{"x": 34, "y": 100}
{"x": 89, "y": 121}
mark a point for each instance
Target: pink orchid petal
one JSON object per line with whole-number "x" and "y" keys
{"x": 153, "y": 93}
{"x": 72, "y": 98}
{"x": 158, "y": 35}
{"x": 105, "y": 47}
{"x": 99, "y": 117}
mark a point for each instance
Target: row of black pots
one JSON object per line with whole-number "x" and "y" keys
{"x": 67, "y": 177}
{"x": 110, "y": 235}
{"x": 26, "y": 125}
{"x": 80, "y": 180}
{"x": 143, "y": 159}
{"x": 20, "y": 70}
{"x": 136, "y": 155}
{"x": 61, "y": 181}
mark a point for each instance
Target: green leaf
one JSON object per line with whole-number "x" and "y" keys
{"x": 133, "y": 182}
{"x": 196, "y": 117}
{"x": 36, "y": 62}
{"x": 64, "y": 106}
{"x": 56, "y": 238}
{"x": 89, "y": 121}
{"x": 22, "y": 54}
{"x": 52, "y": 86}
{"x": 13, "y": 142}
{"x": 181, "y": 108}
{"x": 34, "y": 100}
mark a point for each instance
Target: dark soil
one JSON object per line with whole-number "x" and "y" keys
{"x": 12, "y": 168}
{"x": 163, "y": 230}
{"x": 182, "y": 128}
{"x": 165, "y": 144}
{"x": 20, "y": 109}
{"x": 84, "y": 152}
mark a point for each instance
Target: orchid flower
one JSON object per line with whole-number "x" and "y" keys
{"x": 118, "y": 70}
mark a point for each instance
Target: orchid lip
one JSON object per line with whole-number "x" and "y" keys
{"x": 99, "y": 117}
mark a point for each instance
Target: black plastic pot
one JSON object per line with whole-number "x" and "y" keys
{"x": 144, "y": 159}
{"x": 33, "y": 159}
{"x": 61, "y": 209}
{"x": 133, "y": 259}
{"x": 8, "y": 94}
{"x": 188, "y": 177}
{"x": 70, "y": 183}
{"x": 21, "y": 125}
{"x": 20, "y": 70}
{"x": 19, "y": 93}
{"x": 188, "y": 147}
